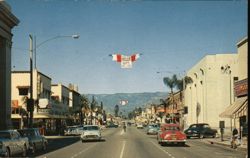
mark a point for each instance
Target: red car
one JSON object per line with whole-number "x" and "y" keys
{"x": 171, "y": 134}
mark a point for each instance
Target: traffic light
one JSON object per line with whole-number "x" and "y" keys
{"x": 30, "y": 105}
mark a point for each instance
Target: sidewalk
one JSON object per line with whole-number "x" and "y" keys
{"x": 226, "y": 142}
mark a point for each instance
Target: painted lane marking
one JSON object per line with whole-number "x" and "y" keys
{"x": 123, "y": 147}
{"x": 122, "y": 132}
{"x": 82, "y": 151}
{"x": 163, "y": 150}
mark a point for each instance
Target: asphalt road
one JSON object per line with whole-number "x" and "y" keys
{"x": 134, "y": 143}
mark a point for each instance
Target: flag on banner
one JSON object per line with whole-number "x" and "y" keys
{"x": 126, "y": 61}
{"x": 117, "y": 57}
{"x": 134, "y": 57}
{"x": 123, "y": 102}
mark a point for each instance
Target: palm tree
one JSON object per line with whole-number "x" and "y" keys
{"x": 84, "y": 102}
{"x": 171, "y": 83}
{"x": 116, "y": 110}
{"x": 92, "y": 108}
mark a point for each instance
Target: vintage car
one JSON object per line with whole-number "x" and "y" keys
{"x": 139, "y": 126}
{"x": 36, "y": 140}
{"x": 152, "y": 129}
{"x": 12, "y": 143}
{"x": 171, "y": 134}
{"x": 91, "y": 132}
{"x": 200, "y": 130}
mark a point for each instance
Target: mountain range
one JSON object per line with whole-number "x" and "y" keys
{"x": 132, "y": 100}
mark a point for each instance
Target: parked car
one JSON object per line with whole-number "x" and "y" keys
{"x": 36, "y": 140}
{"x": 200, "y": 130}
{"x": 12, "y": 143}
{"x": 71, "y": 130}
{"x": 171, "y": 134}
{"x": 91, "y": 132}
{"x": 152, "y": 129}
{"x": 3, "y": 150}
{"x": 139, "y": 126}
{"x": 112, "y": 125}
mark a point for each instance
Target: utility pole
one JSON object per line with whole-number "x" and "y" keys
{"x": 30, "y": 102}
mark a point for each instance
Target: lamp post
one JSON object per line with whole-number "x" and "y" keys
{"x": 226, "y": 69}
{"x": 75, "y": 36}
{"x": 30, "y": 101}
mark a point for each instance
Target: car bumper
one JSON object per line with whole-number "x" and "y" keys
{"x": 95, "y": 137}
{"x": 152, "y": 132}
{"x": 192, "y": 134}
{"x": 173, "y": 141}
{"x": 3, "y": 152}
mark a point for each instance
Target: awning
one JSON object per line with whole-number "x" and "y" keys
{"x": 235, "y": 107}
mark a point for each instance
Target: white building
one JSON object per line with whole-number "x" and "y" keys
{"x": 20, "y": 92}
{"x": 211, "y": 90}
{"x": 238, "y": 109}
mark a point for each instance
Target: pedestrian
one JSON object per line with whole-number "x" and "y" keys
{"x": 234, "y": 138}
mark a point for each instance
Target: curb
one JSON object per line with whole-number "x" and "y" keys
{"x": 227, "y": 145}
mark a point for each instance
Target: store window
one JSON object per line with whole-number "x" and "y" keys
{"x": 23, "y": 91}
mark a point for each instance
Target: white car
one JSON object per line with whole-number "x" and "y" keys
{"x": 91, "y": 132}
{"x": 139, "y": 126}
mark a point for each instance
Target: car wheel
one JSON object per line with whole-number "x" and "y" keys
{"x": 44, "y": 146}
{"x": 34, "y": 149}
{"x": 82, "y": 141}
{"x": 8, "y": 154}
{"x": 24, "y": 151}
{"x": 188, "y": 137}
{"x": 201, "y": 136}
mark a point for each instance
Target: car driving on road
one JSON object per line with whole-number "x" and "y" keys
{"x": 171, "y": 134}
{"x": 91, "y": 132}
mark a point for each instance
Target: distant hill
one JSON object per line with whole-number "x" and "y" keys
{"x": 134, "y": 100}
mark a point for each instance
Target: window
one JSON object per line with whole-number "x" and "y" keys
{"x": 23, "y": 91}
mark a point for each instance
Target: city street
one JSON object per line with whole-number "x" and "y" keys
{"x": 133, "y": 144}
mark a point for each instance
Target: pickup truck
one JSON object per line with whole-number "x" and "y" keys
{"x": 12, "y": 143}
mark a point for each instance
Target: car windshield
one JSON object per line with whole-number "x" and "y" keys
{"x": 91, "y": 128}
{"x": 171, "y": 128}
{"x": 5, "y": 135}
{"x": 27, "y": 133}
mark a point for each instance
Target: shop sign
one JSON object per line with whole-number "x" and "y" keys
{"x": 240, "y": 88}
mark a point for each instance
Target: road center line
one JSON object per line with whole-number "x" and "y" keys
{"x": 123, "y": 147}
{"x": 163, "y": 150}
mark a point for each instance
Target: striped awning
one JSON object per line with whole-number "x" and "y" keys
{"x": 231, "y": 110}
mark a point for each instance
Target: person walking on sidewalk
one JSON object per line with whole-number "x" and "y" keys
{"x": 234, "y": 138}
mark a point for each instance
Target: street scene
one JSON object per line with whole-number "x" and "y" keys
{"x": 123, "y": 79}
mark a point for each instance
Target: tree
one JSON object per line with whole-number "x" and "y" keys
{"x": 84, "y": 103}
{"x": 116, "y": 110}
{"x": 92, "y": 108}
{"x": 171, "y": 83}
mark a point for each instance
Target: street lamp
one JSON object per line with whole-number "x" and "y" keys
{"x": 30, "y": 101}
{"x": 226, "y": 70}
{"x": 74, "y": 36}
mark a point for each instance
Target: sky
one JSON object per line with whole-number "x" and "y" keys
{"x": 172, "y": 36}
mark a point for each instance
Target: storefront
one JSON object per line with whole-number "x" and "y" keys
{"x": 238, "y": 111}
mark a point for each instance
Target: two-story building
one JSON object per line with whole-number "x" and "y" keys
{"x": 211, "y": 89}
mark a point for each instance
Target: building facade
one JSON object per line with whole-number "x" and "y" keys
{"x": 237, "y": 111}
{"x": 8, "y": 21}
{"x": 211, "y": 89}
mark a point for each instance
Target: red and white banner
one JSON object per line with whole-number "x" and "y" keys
{"x": 123, "y": 102}
{"x": 126, "y": 61}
